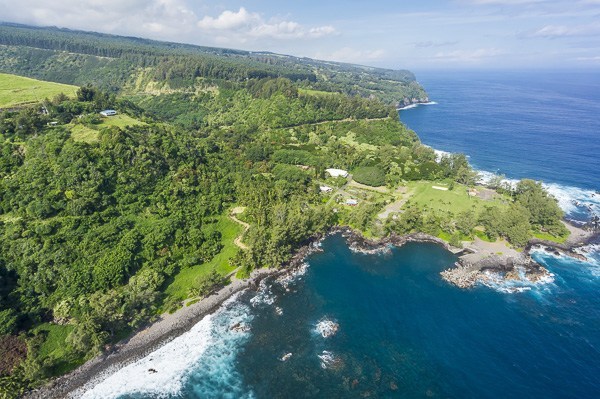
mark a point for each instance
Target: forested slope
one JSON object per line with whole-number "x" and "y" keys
{"x": 113, "y": 62}
{"x": 107, "y": 222}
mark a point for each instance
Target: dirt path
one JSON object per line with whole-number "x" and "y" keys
{"x": 339, "y": 121}
{"x": 238, "y": 240}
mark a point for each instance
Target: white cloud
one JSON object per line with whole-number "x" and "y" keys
{"x": 253, "y": 25}
{"x": 352, "y": 55}
{"x": 557, "y": 31}
{"x": 231, "y": 20}
{"x": 595, "y": 58}
{"x": 469, "y": 56}
{"x": 139, "y": 17}
{"x": 176, "y": 20}
{"x": 505, "y": 2}
{"x": 430, "y": 43}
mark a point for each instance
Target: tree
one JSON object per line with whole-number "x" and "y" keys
{"x": 543, "y": 209}
{"x": 466, "y": 222}
{"x": 86, "y": 93}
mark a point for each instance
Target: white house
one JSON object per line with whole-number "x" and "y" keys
{"x": 108, "y": 112}
{"x": 337, "y": 172}
{"x": 351, "y": 202}
{"x": 326, "y": 189}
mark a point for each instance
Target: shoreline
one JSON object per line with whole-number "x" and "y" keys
{"x": 160, "y": 332}
{"x": 415, "y": 105}
{"x": 169, "y": 326}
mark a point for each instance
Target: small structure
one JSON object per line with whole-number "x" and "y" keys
{"x": 337, "y": 172}
{"x": 108, "y": 112}
{"x": 473, "y": 192}
{"x": 351, "y": 202}
{"x": 325, "y": 189}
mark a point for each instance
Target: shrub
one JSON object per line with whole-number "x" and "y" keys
{"x": 370, "y": 175}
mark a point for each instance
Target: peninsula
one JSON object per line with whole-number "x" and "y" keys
{"x": 217, "y": 167}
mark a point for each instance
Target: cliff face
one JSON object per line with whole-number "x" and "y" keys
{"x": 110, "y": 61}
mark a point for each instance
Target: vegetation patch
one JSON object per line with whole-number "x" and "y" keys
{"x": 84, "y": 134}
{"x": 184, "y": 281}
{"x": 17, "y": 90}
{"x": 372, "y": 176}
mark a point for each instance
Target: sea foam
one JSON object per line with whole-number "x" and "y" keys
{"x": 577, "y": 203}
{"x": 209, "y": 347}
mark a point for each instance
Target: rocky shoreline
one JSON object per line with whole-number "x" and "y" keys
{"x": 168, "y": 327}
{"x": 517, "y": 268}
{"x": 158, "y": 333}
{"x": 489, "y": 268}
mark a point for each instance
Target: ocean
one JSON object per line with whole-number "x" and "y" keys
{"x": 354, "y": 325}
{"x": 539, "y": 125}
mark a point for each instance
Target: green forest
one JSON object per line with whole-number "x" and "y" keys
{"x": 107, "y": 222}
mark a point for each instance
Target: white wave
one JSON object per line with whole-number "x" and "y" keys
{"x": 500, "y": 283}
{"x": 411, "y": 106}
{"x": 385, "y": 249}
{"x": 327, "y": 328}
{"x": 293, "y": 276}
{"x": 591, "y": 252}
{"x": 439, "y": 154}
{"x": 327, "y": 359}
{"x": 264, "y": 295}
{"x": 574, "y": 199}
{"x": 208, "y": 346}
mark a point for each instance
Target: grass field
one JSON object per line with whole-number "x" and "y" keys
{"x": 89, "y": 135}
{"x": 54, "y": 347}
{"x": 17, "y": 90}
{"x": 84, "y": 134}
{"x": 120, "y": 120}
{"x": 456, "y": 201}
{"x": 312, "y": 92}
{"x": 186, "y": 278}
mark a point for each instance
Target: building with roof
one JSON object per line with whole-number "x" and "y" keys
{"x": 108, "y": 112}
{"x": 337, "y": 172}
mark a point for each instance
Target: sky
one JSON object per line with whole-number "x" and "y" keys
{"x": 426, "y": 34}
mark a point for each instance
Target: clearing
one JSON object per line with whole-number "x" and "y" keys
{"x": 187, "y": 277}
{"x": 16, "y": 90}
{"x": 457, "y": 200}
{"x": 89, "y": 133}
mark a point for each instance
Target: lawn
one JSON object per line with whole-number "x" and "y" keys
{"x": 120, "y": 120}
{"x": 549, "y": 237}
{"x": 312, "y": 92}
{"x": 17, "y": 90}
{"x": 185, "y": 279}
{"x": 423, "y": 194}
{"x": 54, "y": 347}
{"x": 83, "y": 133}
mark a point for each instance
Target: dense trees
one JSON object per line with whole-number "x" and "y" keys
{"x": 93, "y": 232}
{"x": 369, "y": 175}
{"x": 110, "y": 62}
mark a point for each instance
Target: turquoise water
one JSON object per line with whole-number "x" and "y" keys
{"x": 403, "y": 332}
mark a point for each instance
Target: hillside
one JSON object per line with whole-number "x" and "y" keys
{"x": 17, "y": 91}
{"x": 115, "y": 62}
{"x": 108, "y": 222}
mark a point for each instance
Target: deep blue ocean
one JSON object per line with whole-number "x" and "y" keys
{"x": 402, "y": 332}
{"x": 539, "y": 125}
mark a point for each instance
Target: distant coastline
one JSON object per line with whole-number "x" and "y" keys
{"x": 170, "y": 326}
{"x": 414, "y": 105}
